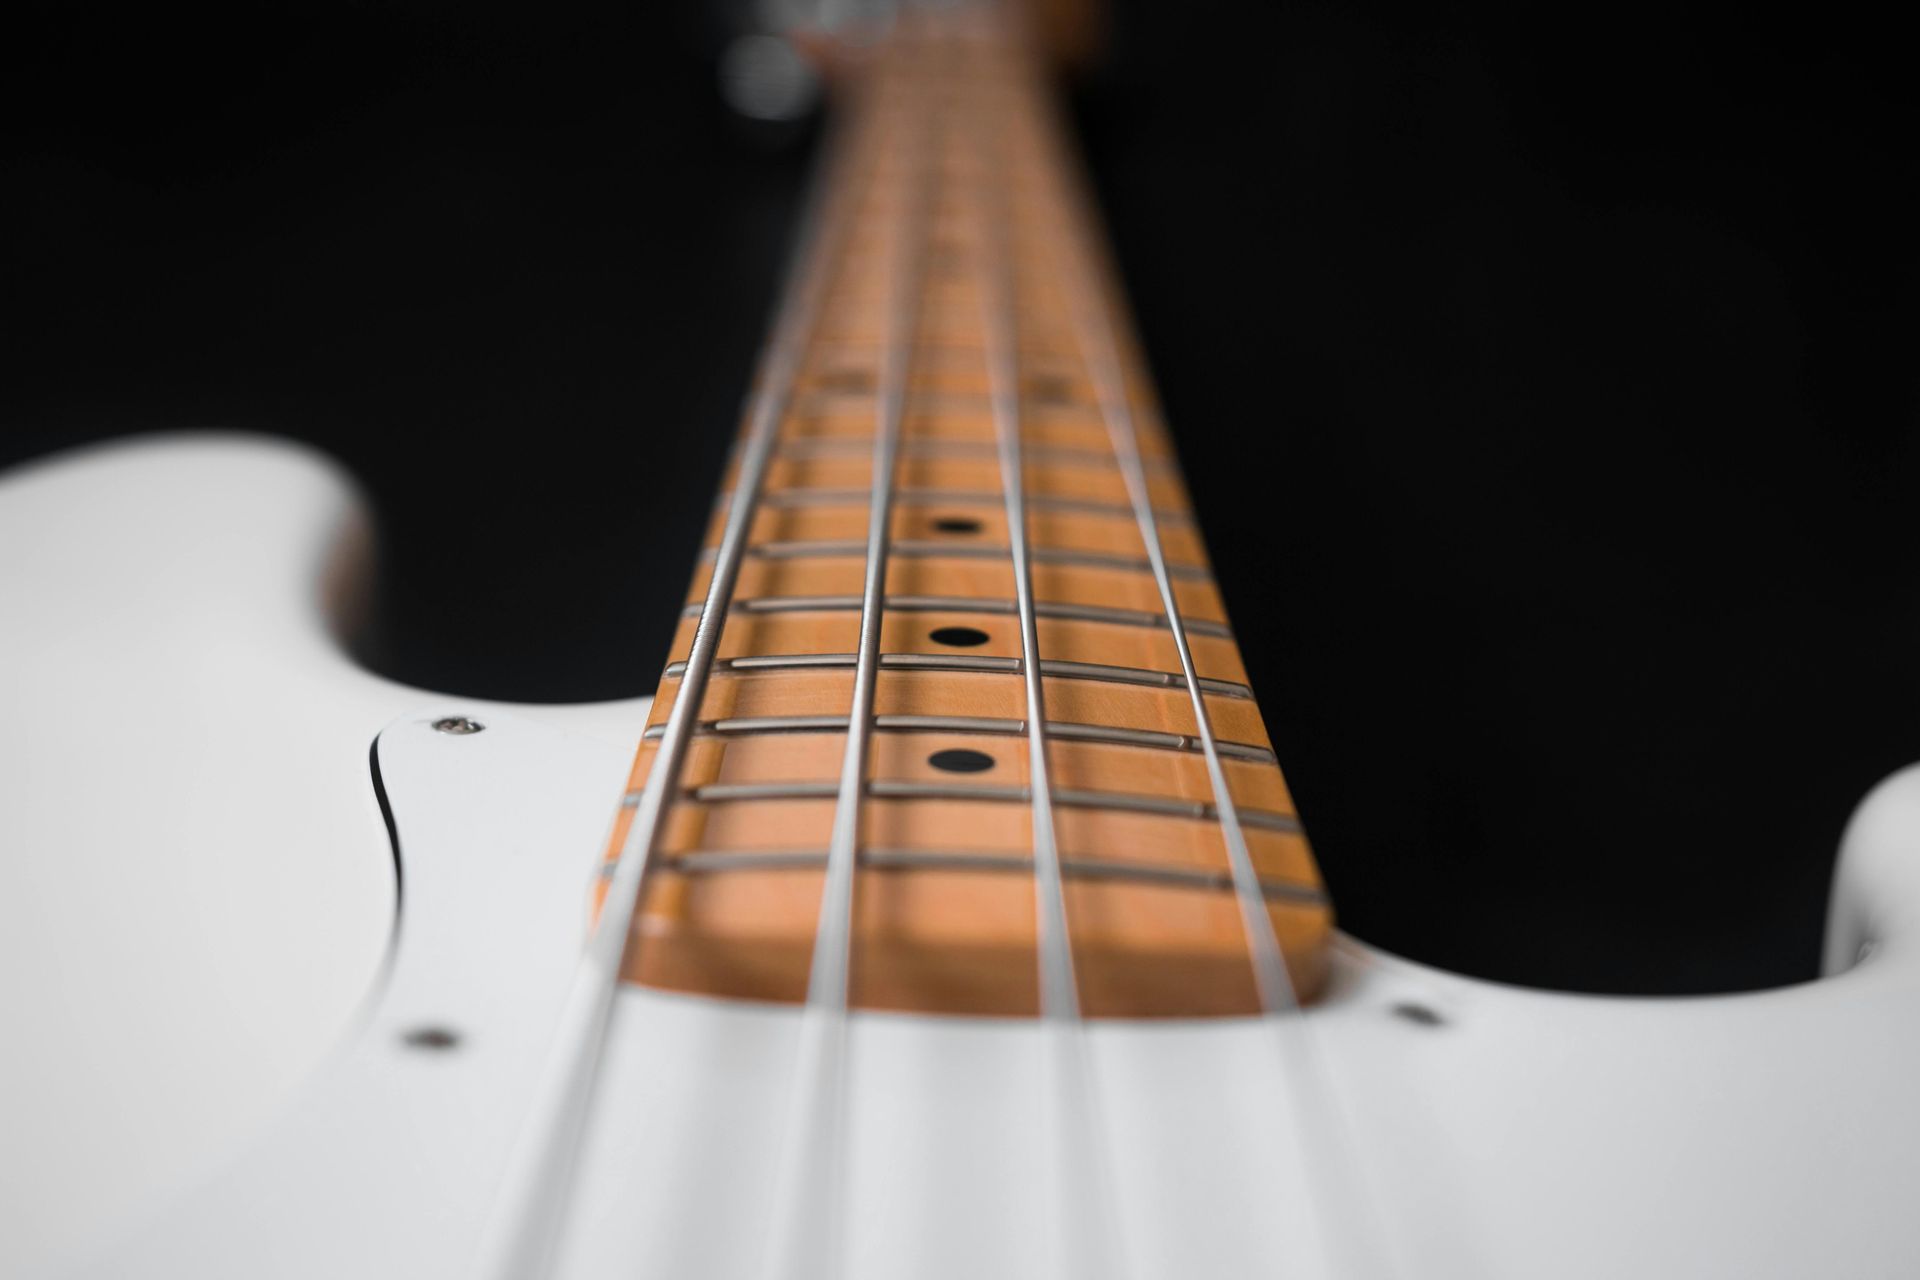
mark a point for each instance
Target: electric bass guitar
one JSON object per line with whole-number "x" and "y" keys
{"x": 944, "y": 914}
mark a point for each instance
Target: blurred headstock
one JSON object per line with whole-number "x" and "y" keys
{"x": 788, "y": 53}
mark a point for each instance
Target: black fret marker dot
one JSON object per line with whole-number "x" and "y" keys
{"x": 961, "y": 760}
{"x": 854, "y": 381}
{"x": 958, "y": 637}
{"x": 956, "y": 524}
{"x": 1050, "y": 388}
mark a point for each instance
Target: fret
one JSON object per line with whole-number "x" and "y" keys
{"x": 816, "y": 549}
{"x": 979, "y": 725}
{"x": 1056, "y": 403}
{"x": 786, "y": 499}
{"x": 757, "y": 755}
{"x": 1055, "y": 668}
{"x": 733, "y": 695}
{"x": 1062, "y": 394}
{"x": 708, "y": 861}
{"x": 893, "y": 789}
{"x": 1125, "y": 835}
{"x": 913, "y": 630}
{"x": 1049, "y": 402}
{"x": 966, "y": 604}
{"x": 932, "y": 447}
{"x": 905, "y": 772}
{"x": 975, "y": 725}
{"x": 962, "y": 577}
{"x": 980, "y": 475}
{"x": 963, "y": 526}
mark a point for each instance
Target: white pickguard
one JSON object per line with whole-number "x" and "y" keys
{"x": 206, "y": 1069}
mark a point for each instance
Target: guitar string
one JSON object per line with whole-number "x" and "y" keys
{"x": 1059, "y": 995}
{"x": 827, "y": 981}
{"x": 1351, "y": 1231}
{"x": 1100, "y": 349}
{"x": 1079, "y": 1177}
{"x": 520, "y": 1233}
{"x": 804, "y": 1238}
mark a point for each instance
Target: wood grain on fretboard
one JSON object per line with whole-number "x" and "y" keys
{"x": 944, "y": 908}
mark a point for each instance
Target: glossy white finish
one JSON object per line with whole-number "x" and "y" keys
{"x": 196, "y": 891}
{"x": 402, "y": 1140}
{"x": 196, "y": 886}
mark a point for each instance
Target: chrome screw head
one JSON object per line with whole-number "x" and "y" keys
{"x": 458, "y": 725}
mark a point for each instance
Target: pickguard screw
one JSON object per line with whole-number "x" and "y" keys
{"x": 1419, "y": 1015}
{"x": 437, "y": 1038}
{"x": 458, "y": 725}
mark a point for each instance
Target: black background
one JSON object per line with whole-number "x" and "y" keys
{"x": 1546, "y": 392}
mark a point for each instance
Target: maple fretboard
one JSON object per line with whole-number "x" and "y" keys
{"x": 1000, "y": 757}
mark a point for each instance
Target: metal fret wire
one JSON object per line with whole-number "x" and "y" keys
{"x": 960, "y": 497}
{"x": 972, "y": 604}
{"x": 804, "y": 1239}
{"x": 520, "y": 1233}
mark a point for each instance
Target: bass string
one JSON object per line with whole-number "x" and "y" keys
{"x": 804, "y": 1239}
{"x": 1099, "y": 348}
{"x": 827, "y": 980}
{"x": 1059, "y": 995}
{"x": 1079, "y": 1179}
{"x": 521, "y": 1232}
{"x": 1339, "y": 1188}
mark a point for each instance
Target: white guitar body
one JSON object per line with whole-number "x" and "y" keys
{"x": 223, "y": 1058}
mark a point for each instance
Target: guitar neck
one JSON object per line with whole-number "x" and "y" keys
{"x": 954, "y": 720}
